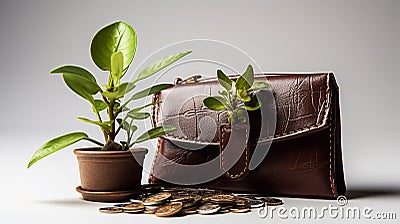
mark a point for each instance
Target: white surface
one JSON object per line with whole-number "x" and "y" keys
{"x": 357, "y": 39}
{"x": 46, "y": 194}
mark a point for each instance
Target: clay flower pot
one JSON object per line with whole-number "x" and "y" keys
{"x": 109, "y": 175}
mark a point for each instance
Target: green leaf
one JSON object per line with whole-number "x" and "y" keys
{"x": 253, "y": 104}
{"x": 133, "y": 128}
{"x": 99, "y": 105}
{"x": 155, "y": 133}
{"x": 260, "y": 85}
{"x": 138, "y": 115}
{"x": 82, "y": 86}
{"x": 215, "y": 103}
{"x": 56, "y": 144}
{"x": 71, "y": 69}
{"x": 117, "y": 62}
{"x": 243, "y": 95}
{"x": 121, "y": 91}
{"x": 246, "y": 80}
{"x": 118, "y": 36}
{"x": 253, "y": 107}
{"x": 126, "y": 125}
{"x": 150, "y": 91}
{"x": 79, "y": 80}
{"x": 104, "y": 125}
{"x": 159, "y": 65}
{"x": 224, "y": 80}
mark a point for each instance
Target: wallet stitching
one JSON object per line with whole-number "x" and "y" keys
{"x": 155, "y": 158}
{"x": 155, "y": 114}
{"x": 236, "y": 176}
{"x": 330, "y": 148}
{"x": 276, "y": 136}
{"x": 155, "y": 109}
{"x": 330, "y": 160}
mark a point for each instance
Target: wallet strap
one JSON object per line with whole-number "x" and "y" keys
{"x": 240, "y": 168}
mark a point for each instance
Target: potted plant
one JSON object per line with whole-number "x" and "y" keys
{"x": 237, "y": 97}
{"x": 110, "y": 167}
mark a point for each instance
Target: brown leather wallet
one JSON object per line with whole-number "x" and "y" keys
{"x": 292, "y": 148}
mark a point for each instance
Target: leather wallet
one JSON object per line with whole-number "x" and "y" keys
{"x": 292, "y": 148}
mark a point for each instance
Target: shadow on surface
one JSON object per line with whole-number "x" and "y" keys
{"x": 356, "y": 193}
{"x": 64, "y": 202}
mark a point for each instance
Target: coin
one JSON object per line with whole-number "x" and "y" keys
{"x": 111, "y": 210}
{"x": 133, "y": 206}
{"x": 222, "y": 198}
{"x": 153, "y": 188}
{"x": 134, "y": 211}
{"x": 172, "y": 189}
{"x": 206, "y": 191}
{"x": 120, "y": 205}
{"x": 226, "y": 207}
{"x": 206, "y": 199}
{"x": 169, "y": 209}
{"x": 197, "y": 198}
{"x": 188, "y": 204}
{"x": 242, "y": 201}
{"x": 256, "y": 203}
{"x": 240, "y": 210}
{"x": 224, "y": 211}
{"x": 189, "y": 211}
{"x": 273, "y": 201}
{"x": 182, "y": 198}
{"x": 246, "y": 195}
{"x": 135, "y": 201}
{"x": 157, "y": 198}
{"x": 208, "y": 209}
{"x": 151, "y": 209}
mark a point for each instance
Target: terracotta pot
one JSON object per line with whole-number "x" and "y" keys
{"x": 110, "y": 171}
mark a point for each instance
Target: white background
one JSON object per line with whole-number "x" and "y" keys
{"x": 358, "y": 40}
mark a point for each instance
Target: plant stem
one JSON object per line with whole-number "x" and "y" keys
{"x": 94, "y": 141}
{"x": 100, "y": 120}
{"x": 112, "y": 119}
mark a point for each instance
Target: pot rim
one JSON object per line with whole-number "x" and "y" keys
{"x": 95, "y": 151}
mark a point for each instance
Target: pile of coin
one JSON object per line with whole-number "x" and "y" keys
{"x": 177, "y": 201}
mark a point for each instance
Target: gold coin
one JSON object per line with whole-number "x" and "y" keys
{"x": 134, "y": 211}
{"x": 273, "y": 201}
{"x": 151, "y": 209}
{"x": 169, "y": 209}
{"x": 223, "y": 211}
{"x": 222, "y": 198}
{"x": 134, "y": 206}
{"x": 197, "y": 198}
{"x": 182, "y": 198}
{"x": 254, "y": 203}
{"x": 240, "y": 210}
{"x": 157, "y": 198}
{"x": 242, "y": 201}
{"x": 189, "y": 211}
{"x": 208, "y": 209}
{"x": 172, "y": 189}
{"x": 111, "y": 210}
{"x": 188, "y": 204}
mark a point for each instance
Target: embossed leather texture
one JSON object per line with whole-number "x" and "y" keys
{"x": 295, "y": 137}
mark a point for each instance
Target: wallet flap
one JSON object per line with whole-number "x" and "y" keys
{"x": 296, "y": 105}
